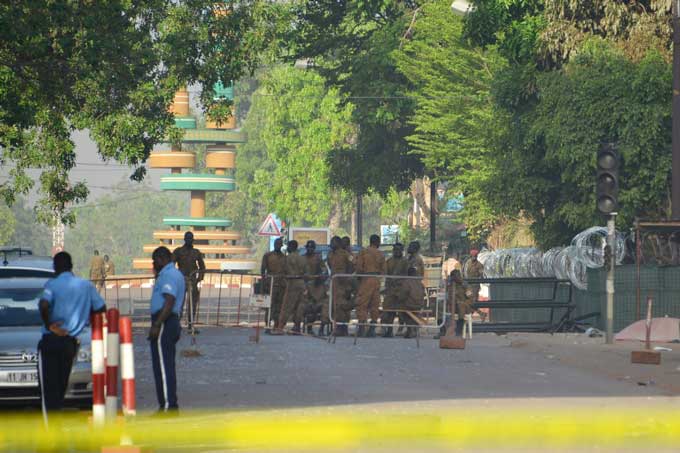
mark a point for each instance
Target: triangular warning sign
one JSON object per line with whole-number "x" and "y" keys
{"x": 269, "y": 227}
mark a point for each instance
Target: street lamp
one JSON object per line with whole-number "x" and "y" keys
{"x": 461, "y": 7}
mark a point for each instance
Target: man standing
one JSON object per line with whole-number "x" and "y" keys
{"x": 413, "y": 300}
{"x": 339, "y": 262}
{"x": 295, "y": 287}
{"x": 396, "y": 265}
{"x": 189, "y": 260}
{"x": 109, "y": 267}
{"x": 97, "y": 270}
{"x": 65, "y": 308}
{"x": 370, "y": 261}
{"x": 273, "y": 268}
{"x": 459, "y": 299}
{"x": 414, "y": 258}
{"x": 167, "y": 299}
{"x": 474, "y": 269}
{"x": 317, "y": 300}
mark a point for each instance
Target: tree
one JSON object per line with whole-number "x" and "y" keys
{"x": 351, "y": 45}
{"x": 453, "y": 110}
{"x": 293, "y": 124}
{"x": 579, "y": 73}
{"x": 119, "y": 224}
{"x": 110, "y": 68}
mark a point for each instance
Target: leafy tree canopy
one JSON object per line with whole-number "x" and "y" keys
{"x": 111, "y": 68}
{"x": 293, "y": 124}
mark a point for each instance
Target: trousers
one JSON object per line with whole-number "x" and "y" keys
{"x": 368, "y": 299}
{"x": 55, "y": 360}
{"x": 294, "y": 297}
{"x": 191, "y": 304}
{"x": 163, "y": 362}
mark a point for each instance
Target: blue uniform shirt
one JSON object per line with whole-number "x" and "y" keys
{"x": 71, "y": 300}
{"x": 169, "y": 281}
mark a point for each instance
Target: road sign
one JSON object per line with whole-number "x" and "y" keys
{"x": 322, "y": 236}
{"x": 269, "y": 227}
{"x": 389, "y": 234}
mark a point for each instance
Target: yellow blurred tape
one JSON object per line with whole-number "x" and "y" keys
{"x": 347, "y": 429}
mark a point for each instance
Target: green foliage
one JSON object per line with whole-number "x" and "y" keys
{"x": 511, "y": 25}
{"x": 600, "y": 95}
{"x": 111, "y": 68}
{"x": 120, "y": 224}
{"x": 451, "y": 83}
{"x": 30, "y": 233}
{"x": 351, "y": 44}
{"x": 293, "y": 124}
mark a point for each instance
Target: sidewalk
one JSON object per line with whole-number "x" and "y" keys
{"x": 612, "y": 361}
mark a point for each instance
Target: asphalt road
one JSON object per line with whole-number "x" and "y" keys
{"x": 293, "y": 371}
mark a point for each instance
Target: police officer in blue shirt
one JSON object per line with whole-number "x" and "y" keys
{"x": 167, "y": 299}
{"x": 65, "y": 307}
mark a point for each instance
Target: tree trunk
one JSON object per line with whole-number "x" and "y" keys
{"x": 336, "y": 215}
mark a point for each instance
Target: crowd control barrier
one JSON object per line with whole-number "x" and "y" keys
{"x": 430, "y": 316}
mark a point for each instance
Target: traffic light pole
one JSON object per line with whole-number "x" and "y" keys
{"x": 675, "y": 172}
{"x": 611, "y": 244}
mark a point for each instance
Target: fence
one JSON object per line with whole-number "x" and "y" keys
{"x": 223, "y": 297}
{"x": 432, "y": 315}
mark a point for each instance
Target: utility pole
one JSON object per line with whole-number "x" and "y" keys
{"x": 610, "y": 263}
{"x": 433, "y": 213}
{"x": 360, "y": 215}
{"x": 675, "y": 175}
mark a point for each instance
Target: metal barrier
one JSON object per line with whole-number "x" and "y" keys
{"x": 129, "y": 294}
{"x": 438, "y": 315}
{"x": 224, "y": 298}
{"x": 552, "y": 303}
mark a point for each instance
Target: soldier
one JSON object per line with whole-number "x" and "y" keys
{"x": 415, "y": 294}
{"x": 273, "y": 269}
{"x": 189, "y": 260}
{"x": 97, "y": 270}
{"x": 109, "y": 267}
{"x": 459, "y": 299}
{"x": 347, "y": 245}
{"x": 339, "y": 262}
{"x": 295, "y": 267}
{"x": 317, "y": 299}
{"x": 369, "y": 261}
{"x": 474, "y": 269}
{"x": 396, "y": 265}
{"x": 414, "y": 258}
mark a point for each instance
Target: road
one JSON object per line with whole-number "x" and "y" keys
{"x": 293, "y": 371}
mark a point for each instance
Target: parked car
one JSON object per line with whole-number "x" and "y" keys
{"x": 22, "y": 278}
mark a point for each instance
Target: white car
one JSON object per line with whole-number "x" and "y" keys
{"x": 22, "y": 279}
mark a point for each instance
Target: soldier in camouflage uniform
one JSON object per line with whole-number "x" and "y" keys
{"x": 396, "y": 265}
{"x": 369, "y": 261}
{"x": 273, "y": 271}
{"x": 295, "y": 288}
{"x": 340, "y": 262}
{"x": 317, "y": 300}
{"x": 97, "y": 270}
{"x": 414, "y": 292}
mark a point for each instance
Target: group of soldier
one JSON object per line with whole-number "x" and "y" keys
{"x": 101, "y": 268}
{"x": 297, "y": 285}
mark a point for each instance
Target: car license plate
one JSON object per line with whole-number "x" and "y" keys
{"x": 19, "y": 377}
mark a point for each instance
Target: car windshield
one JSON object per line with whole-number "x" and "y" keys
{"x": 19, "y": 307}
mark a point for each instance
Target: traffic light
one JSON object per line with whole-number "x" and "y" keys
{"x": 607, "y": 179}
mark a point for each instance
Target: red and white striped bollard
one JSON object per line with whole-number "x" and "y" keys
{"x": 98, "y": 369}
{"x": 112, "y": 354}
{"x": 127, "y": 366}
